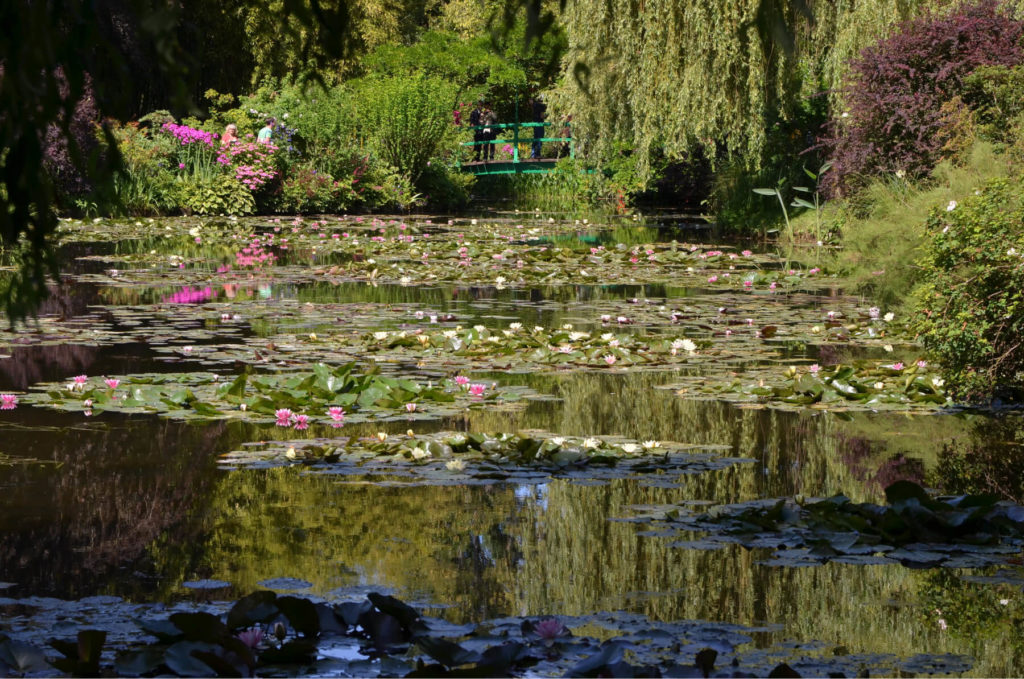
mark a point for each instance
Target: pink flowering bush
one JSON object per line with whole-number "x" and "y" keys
{"x": 251, "y": 163}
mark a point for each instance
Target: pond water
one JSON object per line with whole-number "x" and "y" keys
{"x": 141, "y": 502}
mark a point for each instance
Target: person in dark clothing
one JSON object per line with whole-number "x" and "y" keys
{"x": 539, "y": 112}
{"x": 490, "y": 119}
{"x": 475, "y": 120}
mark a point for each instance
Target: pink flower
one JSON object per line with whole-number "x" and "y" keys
{"x": 181, "y": 166}
{"x": 712, "y": 279}
{"x": 87, "y": 403}
{"x": 477, "y": 389}
{"x": 284, "y": 417}
{"x": 337, "y": 413}
{"x": 8, "y": 401}
{"x": 410, "y": 407}
{"x": 746, "y": 253}
{"x": 610, "y": 360}
{"x": 814, "y": 369}
{"x": 549, "y": 628}
{"x": 301, "y": 421}
{"x": 748, "y": 284}
{"x": 898, "y": 365}
{"x": 112, "y": 383}
{"x": 251, "y": 637}
{"x": 461, "y": 380}
{"x": 814, "y": 271}
{"x": 772, "y": 285}
{"x": 922, "y": 364}
{"x": 80, "y": 379}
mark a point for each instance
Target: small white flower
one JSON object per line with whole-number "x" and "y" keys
{"x": 507, "y": 333}
{"x": 479, "y": 328}
{"x": 515, "y": 326}
{"x": 557, "y": 440}
{"x": 937, "y": 382}
{"x": 380, "y": 335}
{"x": 419, "y": 453}
{"x": 449, "y": 333}
{"x": 952, "y": 206}
{"x": 888, "y": 317}
{"x": 648, "y": 445}
{"x": 1011, "y": 252}
{"x": 607, "y": 337}
{"x": 567, "y": 326}
{"x": 537, "y": 328}
{"x": 455, "y": 465}
{"x": 577, "y": 336}
{"x": 879, "y": 385}
{"x": 591, "y": 443}
{"x": 631, "y": 448}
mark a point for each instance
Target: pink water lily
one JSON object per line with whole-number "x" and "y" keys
{"x": 301, "y": 421}
{"x": 80, "y": 380}
{"x": 549, "y": 628}
{"x": 410, "y": 407}
{"x": 461, "y": 380}
{"x": 8, "y": 401}
{"x": 251, "y": 637}
{"x": 284, "y": 417}
{"x": 477, "y": 389}
{"x": 814, "y": 369}
{"x": 897, "y": 365}
{"x": 336, "y": 413}
{"x": 610, "y": 360}
{"x": 111, "y": 382}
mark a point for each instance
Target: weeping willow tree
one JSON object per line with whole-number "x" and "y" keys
{"x": 710, "y": 75}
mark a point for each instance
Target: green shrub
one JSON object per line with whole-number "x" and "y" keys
{"x": 408, "y": 121}
{"x": 218, "y": 195}
{"x": 307, "y": 190}
{"x": 971, "y": 298}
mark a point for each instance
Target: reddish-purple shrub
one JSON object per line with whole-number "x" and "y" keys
{"x": 899, "y": 92}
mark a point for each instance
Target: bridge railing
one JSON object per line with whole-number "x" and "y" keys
{"x": 516, "y": 139}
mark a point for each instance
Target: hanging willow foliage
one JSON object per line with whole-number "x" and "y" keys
{"x": 686, "y": 75}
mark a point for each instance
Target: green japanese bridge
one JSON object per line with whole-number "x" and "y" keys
{"x": 516, "y": 164}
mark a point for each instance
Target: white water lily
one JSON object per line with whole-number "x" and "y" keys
{"x": 567, "y": 326}
{"x": 479, "y": 328}
{"x": 577, "y": 336}
{"x": 449, "y": 333}
{"x": 515, "y": 326}
{"x": 591, "y": 443}
{"x": 607, "y": 337}
{"x": 879, "y": 385}
{"x": 648, "y": 445}
{"x": 499, "y": 281}
{"x": 631, "y": 448}
{"x": 423, "y": 339}
{"x": 937, "y": 382}
{"x": 419, "y": 453}
{"x": 456, "y": 344}
{"x": 405, "y": 280}
{"x": 888, "y": 348}
{"x": 290, "y": 453}
{"x": 507, "y": 333}
{"x": 455, "y": 465}
{"x": 380, "y": 335}
{"x": 382, "y": 436}
{"x": 557, "y": 440}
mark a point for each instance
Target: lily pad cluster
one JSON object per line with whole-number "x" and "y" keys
{"x": 296, "y": 399}
{"x": 269, "y": 634}
{"x": 862, "y": 385}
{"x": 524, "y": 457}
{"x": 913, "y": 528}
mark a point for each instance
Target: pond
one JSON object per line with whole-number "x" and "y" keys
{"x": 495, "y": 418}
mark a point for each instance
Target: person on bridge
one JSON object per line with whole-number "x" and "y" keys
{"x": 475, "y": 121}
{"x": 490, "y": 120}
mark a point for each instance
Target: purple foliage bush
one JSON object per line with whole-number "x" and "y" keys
{"x": 65, "y": 167}
{"x": 902, "y": 94}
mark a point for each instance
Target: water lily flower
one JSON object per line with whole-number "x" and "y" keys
{"x": 515, "y": 326}
{"x": 937, "y": 382}
{"x": 477, "y": 389}
{"x": 187, "y": 349}
{"x": 648, "y": 445}
{"x": 284, "y": 417}
{"x": 250, "y": 637}
{"x": 461, "y": 380}
{"x": 607, "y": 337}
{"x": 591, "y": 443}
{"x": 577, "y": 336}
{"x": 380, "y": 335}
{"x": 712, "y": 279}
{"x": 111, "y": 382}
{"x": 419, "y": 453}
{"x": 898, "y": 365}
{"x": 814, "y": 368}
{"x": 873, "y": 312}
{"x": 8, "y": 401}
{"x": 889, "y": 316}
{"x": 814, "y": 271}
{"x": 613, "y": 343}
{"x": 410, "y": 407}
{"x": 748, "y": 284}
{"x": 79, "y": 381}
{"x": 87, "y": 403}
{"x": 382, "y": 436}
{"x": 879, "y": 386}
{"x": 922, "y": 364}
{"x": 336, "y": 413}
{"x": 631, "y": 448}
{"x": 455, "y": 465}
{"x": 610, "y": 360}
{"x": 746, "y": 253}
{"x": 605, "y": 318}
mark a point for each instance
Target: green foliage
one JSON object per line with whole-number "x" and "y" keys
{"x": 882, "y": 227}
{"x": 306, "y": 190}
{"x": 996, "y": 96}
{"x": 971, "y": 297}
{"x": 217, "y": 195}
{"x": 408, "y": 119}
